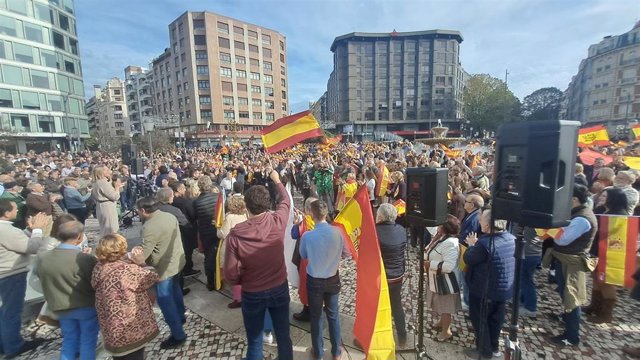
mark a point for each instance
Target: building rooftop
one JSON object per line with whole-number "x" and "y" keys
{"x": 382, "y": 36}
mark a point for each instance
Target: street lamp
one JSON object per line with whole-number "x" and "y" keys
{"x": 148, "y": 128}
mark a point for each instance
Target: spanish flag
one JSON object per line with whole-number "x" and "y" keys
{"x": 635, "y": 129}
{"x": 588, "y": 157}
{"x": 307, "y": 225}
{"x": 593, "y": 136}
{"x": 290, "y": 130}
{"x": 549, "y": 233}
{"x": 401, "y": 206}
{"x": 332, "y": 140}
{"x": 632, "y": 162}
{"x": 617, "y": 249}
{"x": 383, "y": 181}
{"x": 219, "y": 212}
{"x": 372, "y": 327}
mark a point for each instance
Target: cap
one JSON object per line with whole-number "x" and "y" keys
{"x": 10, "y": 184}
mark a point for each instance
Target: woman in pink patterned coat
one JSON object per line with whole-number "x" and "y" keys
{"x": 123, "y": 304}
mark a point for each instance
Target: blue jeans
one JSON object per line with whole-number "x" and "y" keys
{"x": 171, "y": 303}
{"x": 324, "y": 293}
{"x": 490, "y": 325}
{"x": 571, "y": 319}
{"x": 12, "y": 292}
{"x": 79, "y": 333}
{"x": 254, "y": 306}
{"x": 528, "y": 296}
{"x": 268, "y": 323}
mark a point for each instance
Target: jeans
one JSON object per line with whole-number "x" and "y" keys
{"x": 324, "y": 292}
{"x": 12, "y": 292}
{"x": 528, "y": 296}
{"x": 79, "y": 333}
{"x": 268, "y": 323}
{"x": 125, "y": 201}
{"x": 395, "y": 296}
{"x": 254, "y": 305}
{"x": 489, "y": 326}
{"x": 171, "y": 303}
{"x": 571, "y": 319}
{"x": 210, "y": 251}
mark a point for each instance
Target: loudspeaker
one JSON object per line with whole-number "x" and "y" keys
{"x": 534, "y": 169}
{"x": 427, "y": 196}
{"x": 137, "y": 167}
{"x": 129, "y": 152}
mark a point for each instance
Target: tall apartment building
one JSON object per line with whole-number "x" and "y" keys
{"x": 319, "y": 110}
{"x": 606, "y": 89}
{"x": 41, "y": 88}
{"x": 401, "y": 83}
{"x": 220, "y": 76}
{"x": 139, "y": 96}
{"x": 107, "y": 111}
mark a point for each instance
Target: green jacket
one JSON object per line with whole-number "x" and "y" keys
{"x": 575, "y": 269}
{"x": 162, "y": 244}
{"x": 19, "y": 222}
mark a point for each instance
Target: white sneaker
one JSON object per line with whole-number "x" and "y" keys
{"x": 465, "y": 307}
{"x": 527, "y": 313}
{"x": 497, "y": 354}
{"x": 267, "y": 338}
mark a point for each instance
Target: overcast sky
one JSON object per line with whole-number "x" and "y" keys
{"x": 540, "y": 42}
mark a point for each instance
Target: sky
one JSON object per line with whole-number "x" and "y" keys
{"x": 539, "y": 42}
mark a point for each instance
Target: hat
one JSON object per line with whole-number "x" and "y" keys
{"x": 10, "y": 184}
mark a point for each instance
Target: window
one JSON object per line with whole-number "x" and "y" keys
{"x": 30, "y": 100}
{"x": 58, "y": 40}
{"x": 281, "y": 45}
{"x": 241, "y": 74}
{"x": 42, "y": 12}
{"x": 240, "y": 59}
{"x": 253, "y": 49}
{"x": 255, "y": 76}
{"x": 225, "y": 72}
{"x": 256, "y": 102}
{"x": 205, "y": 99}
{"x": 284, "y": 94}
{"x": 5, "y": 98}
{"x": 178, "y": 75}
{"x": 224, "y": 43}
{"x": 242, "y": 87}
{"x": 238, "y": 45}
{"x": 23, "y": 53}
{"x": 117, "y": 116}
{"x": 198, "y": 40}
{"x": 266, "y": 39}
{"x": 283, "y": 83}
{"x": 198, "y": 24}
{"x": 254, "y": 62}
{"x": 183, "y": 57}
{"x": 224, "y": 57}
{"x": 269, "y": 104}
{"x": 202, "y": 69}
{"x": 268, "y": 79}
{"x": 270, "y": 117}
{"x": 223, "y": 28}
{"x": 17, "y": 6}
{"x": 238, "y": 30}
{"x": 253, "y": 34}
{"x": 206, "y": 114}
{"x": 227, "y": 100}
{"x": 257, "y": 116}
{"x": 281, "y": 57}
{"x": 268, "y": 91}
{"x": 227, "y": 86}
{"x": 255, "y": 89}
{"x": 20, "y": 122}
{"x": 243, "y": 101}
{"x": 63, "y": 21}
{"x": 267, "y": 65}
{"x": 7, "y": 26}
{"x": 203, "y": 84}
{"x": 179, "y": 89}
{"x": 187, "y": 100}
{"x": 34, "y": 33}
{"x": 284, "y": 107}
{"x": 229, "y": 114}
{"x": 202, "y": 55}
{"x": 40, "y": 79}
{"x": 266, "y": 53}
{"x": 69, "y": 67}
{"x": 243, "y": 115}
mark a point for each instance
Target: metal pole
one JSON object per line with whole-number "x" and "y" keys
{"x": 150, "y": 145}
{"x": 512, "y": 347}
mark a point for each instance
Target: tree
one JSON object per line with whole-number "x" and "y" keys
{"x": 488, "y": 102}
{"x": 542, "y": 104}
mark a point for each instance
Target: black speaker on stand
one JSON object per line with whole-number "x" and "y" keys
{"x": 426, "y": 206}
{"x": 129, "y": 153}
{"x": 534, "y": 169}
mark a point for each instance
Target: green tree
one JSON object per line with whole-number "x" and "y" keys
{"x": 488, "y": 102}
{"x": 542, "y": 104}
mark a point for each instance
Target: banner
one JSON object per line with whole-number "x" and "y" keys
{"x": 593, "y": 136}
{"x": 588, "y": 156}
{"x": 290, "y": 130}
{"x": 618, "y": 236}
{"x": 372, "y": 327}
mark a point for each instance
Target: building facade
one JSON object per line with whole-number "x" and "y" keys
{"x": 319, "y": 110}
{"x": 139, "y": 96}
{"x": 41, "y": 88}
{"x": 401, "y": 83}
{"x": 220, "y": 77}
{"x": 107, "y": 111}
{"x": 606, "y": 89}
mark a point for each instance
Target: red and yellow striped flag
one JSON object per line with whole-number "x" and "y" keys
{"x": 290, "y": 130}
{"x": 401, "y": 206}
{"x": 617, "y": 249}
{"x": 383, "y": 181}
{"x": 218, "y": 215}
{"x": 372, "y": 327}
{"x": 632, "y": 162}
{"x": 593, "y": 136}
{"x": 332, "y": 140}
{"x": 636, "y": 131}
{"x": 549, "y": 233}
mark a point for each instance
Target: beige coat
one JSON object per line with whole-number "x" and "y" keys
{"x": 162, "y": 244}
{"x": 106, "y": 197}
{"x": 230, "y": 221}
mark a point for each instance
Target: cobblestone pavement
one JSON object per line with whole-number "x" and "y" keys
{"x": 209, "y": 341}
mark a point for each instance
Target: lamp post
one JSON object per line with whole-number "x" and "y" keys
{"x": 148, "y": 128}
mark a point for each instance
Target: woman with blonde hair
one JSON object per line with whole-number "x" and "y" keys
{"x": 123, "y": 304}
{"x": 193, "y": 190}
{"x": 106, "y": 195}
{"x": 236, "y": 213}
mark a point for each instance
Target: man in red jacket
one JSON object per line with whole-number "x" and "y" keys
{"x": 254, "y": 258}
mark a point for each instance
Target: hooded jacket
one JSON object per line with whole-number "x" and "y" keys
{"x": 254, "y": 255}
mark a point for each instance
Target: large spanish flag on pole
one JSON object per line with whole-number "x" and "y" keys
{"x": 290, "y": 130}
{"x": 372, "y": 326}
{"x": 593, "y": 136}
{"x": 617, "y": 249}
{"x": 636, "y": 131}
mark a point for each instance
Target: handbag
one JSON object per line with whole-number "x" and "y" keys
{"x": 443, "y": 283}
{"x": 635, "y": 291}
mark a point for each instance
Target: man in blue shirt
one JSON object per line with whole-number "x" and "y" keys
{"x": 323, "y": 247}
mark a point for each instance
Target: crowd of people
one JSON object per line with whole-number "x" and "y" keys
{"x": 110, "y": 288}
